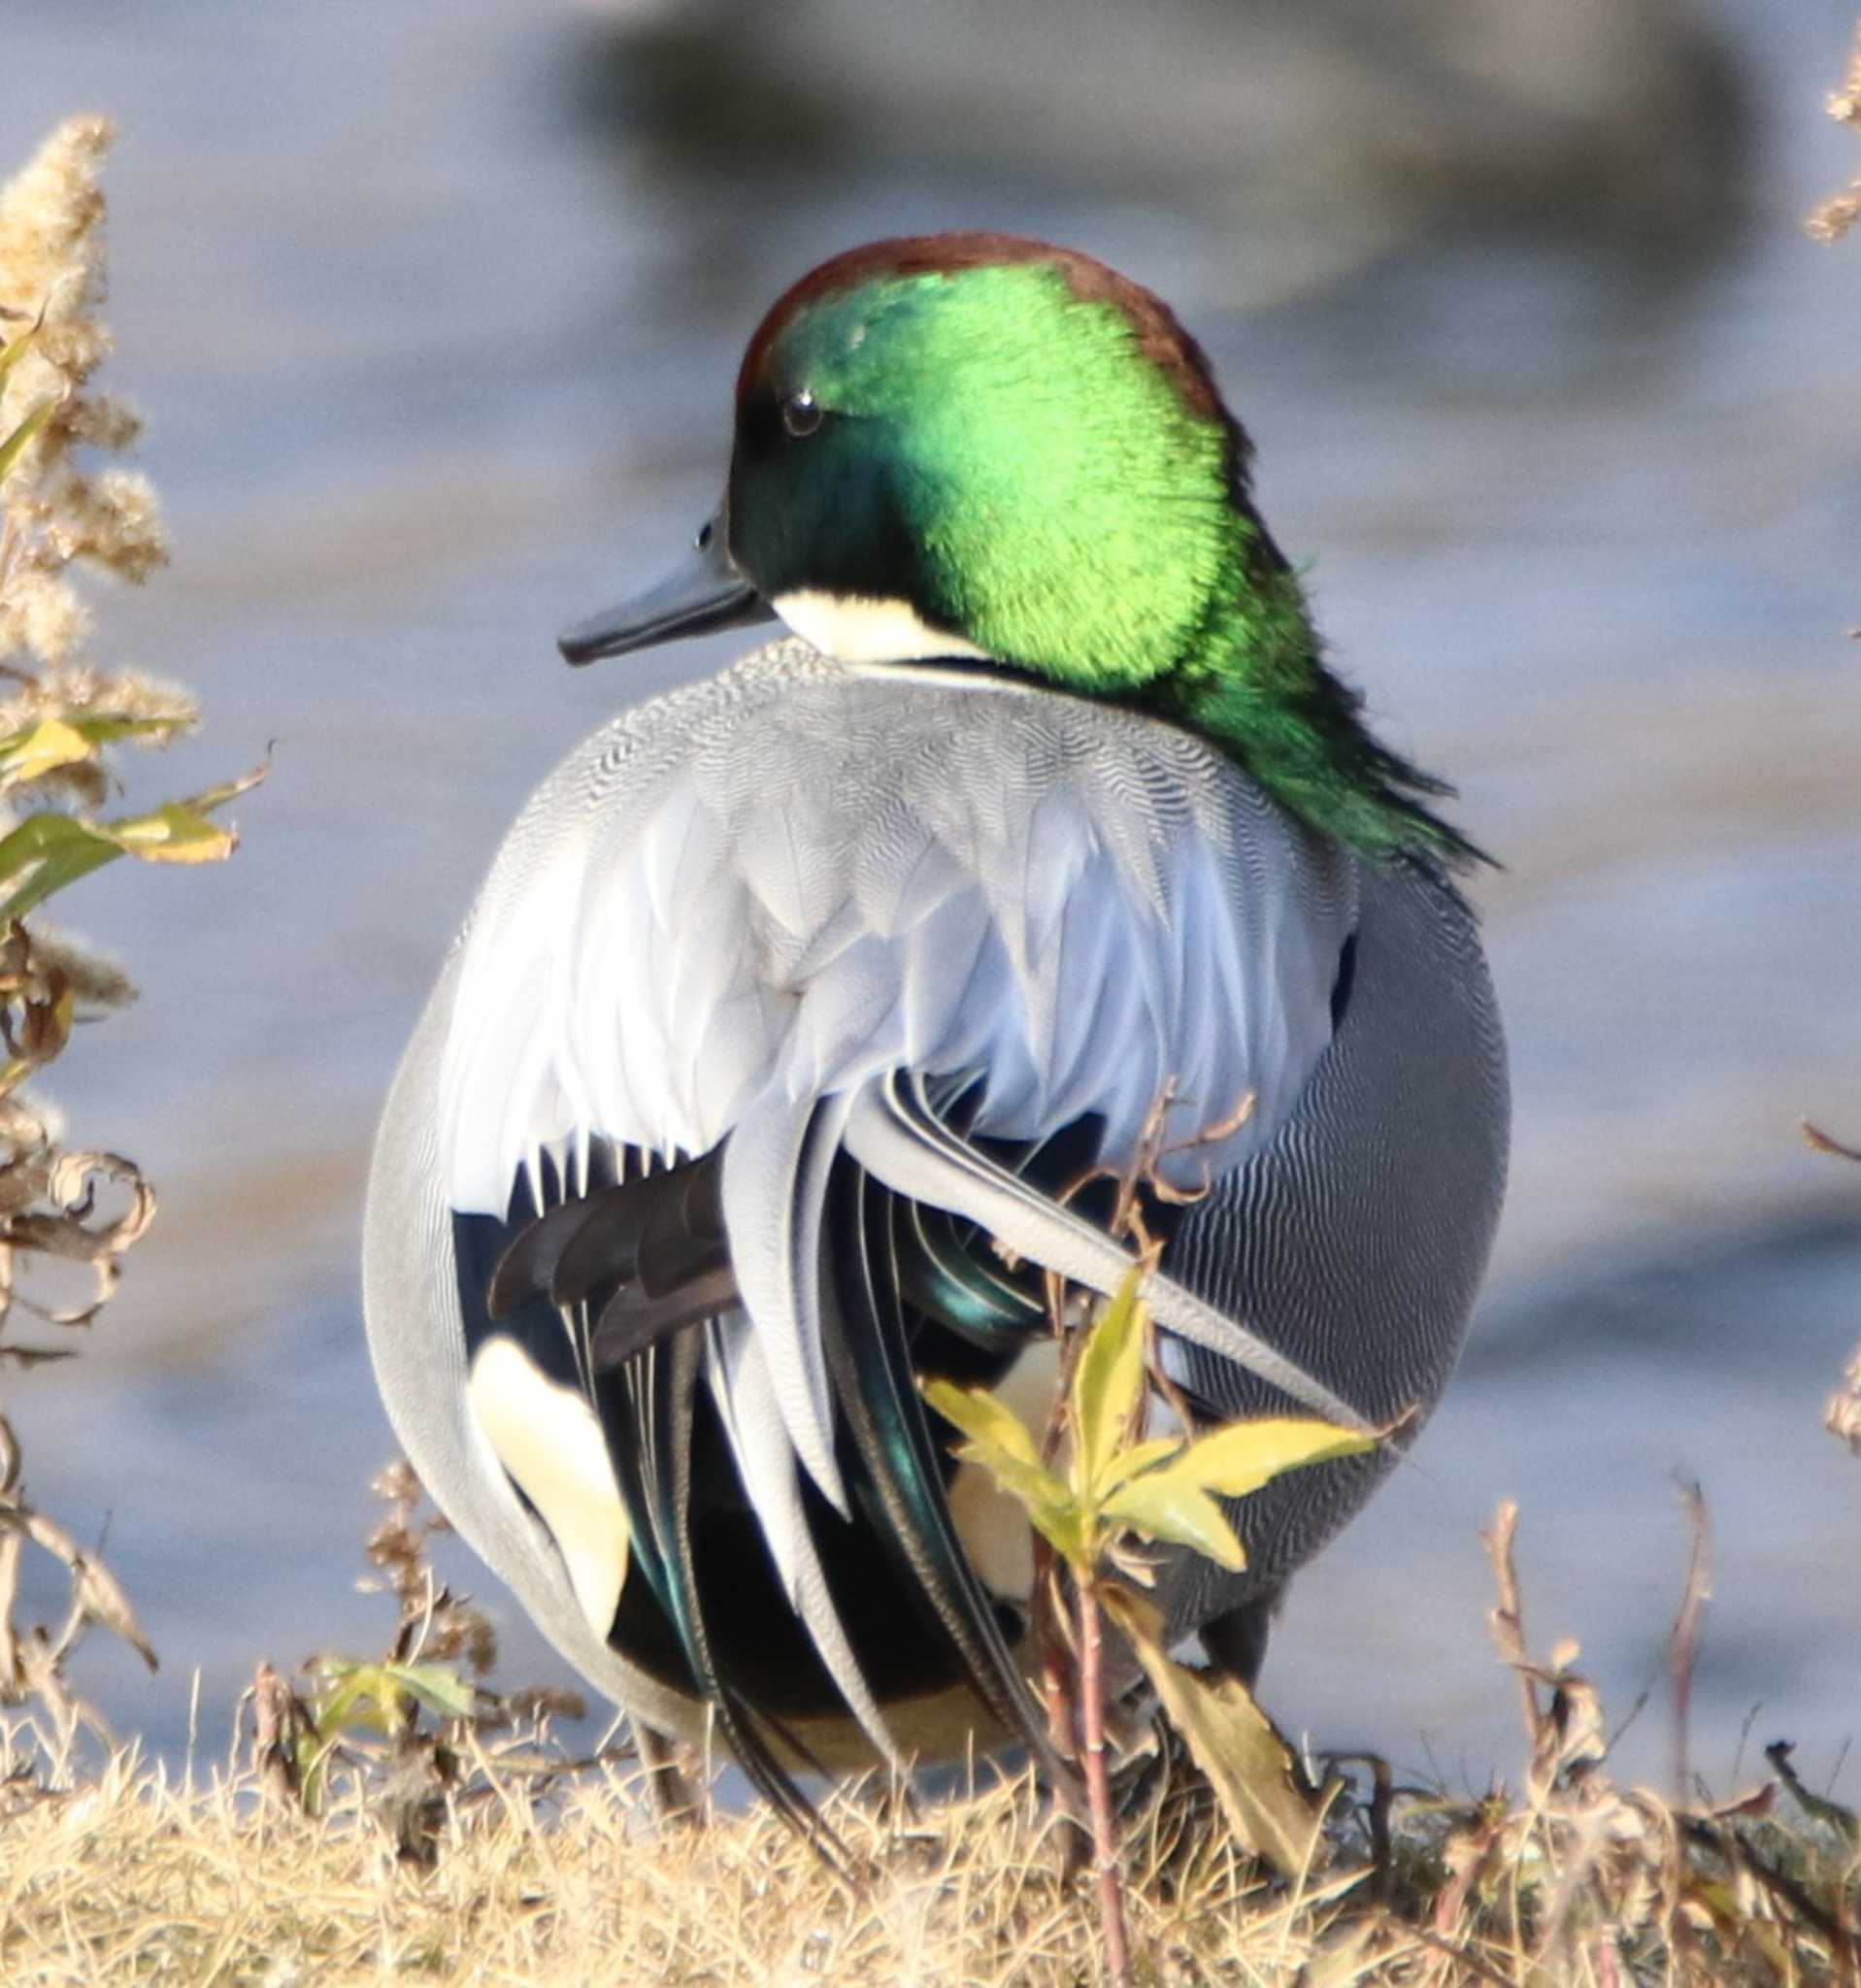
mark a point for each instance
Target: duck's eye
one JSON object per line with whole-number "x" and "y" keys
{"x": 802, "y": 414}
{"x": 706, "y": 533}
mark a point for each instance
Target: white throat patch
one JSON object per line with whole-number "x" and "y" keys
{"x": 863, "y": 628}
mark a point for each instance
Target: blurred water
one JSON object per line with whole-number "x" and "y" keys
{"x": 435, "y": 360}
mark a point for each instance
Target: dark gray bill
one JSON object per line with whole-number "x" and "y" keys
{"x": 705, "y": 594}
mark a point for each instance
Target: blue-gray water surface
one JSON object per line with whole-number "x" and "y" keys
{"x": 435, "y": 359}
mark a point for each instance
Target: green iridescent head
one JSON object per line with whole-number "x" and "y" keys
{"x": 1011, "y": 441}
{"x": 985, "y": 449}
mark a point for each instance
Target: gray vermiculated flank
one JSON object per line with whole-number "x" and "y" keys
{"x": 1359, "y": 1237}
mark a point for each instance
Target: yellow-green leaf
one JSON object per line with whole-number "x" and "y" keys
{"x": 1134, "y": 1458}
{"x": 1245, "y": 1455}
{"x": 1063, "y": 1527}
{"x": 1162, "y": 1506}
{"x": 437, "y": 1686}
{"x": 999, "y": 1441}
{"x": 1107, "y": 1381}
{"x": 210, "y": 798}
{"x": 173, "y": 833}
{"x": 42, "y": 749}
{"x": 1235, "y": 1745}
{"x": 16, "y": 443}
{"x": 1034, "y": 1485}
{"x": 39, "y": 748}
{"x": 985, "y": 1420}
{"x": 47, "y": 852}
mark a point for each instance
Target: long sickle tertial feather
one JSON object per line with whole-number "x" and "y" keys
{"x": 893, "y": 1132}
{"x": 870, "y": 1360}
{"x": 746, "y": 1398}
{"x": 672, "y": 1385}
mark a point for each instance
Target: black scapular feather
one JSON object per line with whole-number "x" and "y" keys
{"x": 658, "y": 1232}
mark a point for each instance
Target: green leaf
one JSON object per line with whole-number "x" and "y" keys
{"x": 438, "y": 1687}
{"x": 16, "y": 443}
{"x": 1249, "y": 1764}
{"x": 1162, "y": 1506}
{"x": 1243, "y": 1456}
{"x": 1108, "y": 1382}
{"x": 49, "y": 852}
{"x": 12, "y": 354}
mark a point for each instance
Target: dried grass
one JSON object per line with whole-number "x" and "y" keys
{"x": 131, "y": 1880}
{"x": 529, "y": 1869}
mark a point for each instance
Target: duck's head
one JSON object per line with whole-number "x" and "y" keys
{"x": 986, "y": 450}
{"x": 969, "y": 446}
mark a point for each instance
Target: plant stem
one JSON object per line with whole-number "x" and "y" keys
{"x": 1098, "y": 1785}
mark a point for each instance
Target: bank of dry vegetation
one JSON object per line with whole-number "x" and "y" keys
{"x": 467, "y": 1848}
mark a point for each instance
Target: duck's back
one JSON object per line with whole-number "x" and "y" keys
{"x": 792, "y": 875}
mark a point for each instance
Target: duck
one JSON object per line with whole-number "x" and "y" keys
{"x": 808, "y": 1010}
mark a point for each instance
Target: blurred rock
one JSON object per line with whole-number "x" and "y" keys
{"x": 1616, "y": 121}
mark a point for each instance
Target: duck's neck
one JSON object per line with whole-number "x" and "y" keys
{"x": 1251, "y": 680}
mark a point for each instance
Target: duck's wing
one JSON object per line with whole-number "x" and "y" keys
{"x": 771, "y": 927}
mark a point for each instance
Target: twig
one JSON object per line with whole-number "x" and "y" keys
{"x": 1508, "y": 1618}
{"x": 1823, "y": 1143}
{"x": 1382, "y": 1797}
{"x": 1098, "y": 1786}
{"x": 1683, "y": 1644}
{"x": 1817, "y": 1806}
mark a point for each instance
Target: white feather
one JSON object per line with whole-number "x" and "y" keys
{"x": 775, "y": 1182}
